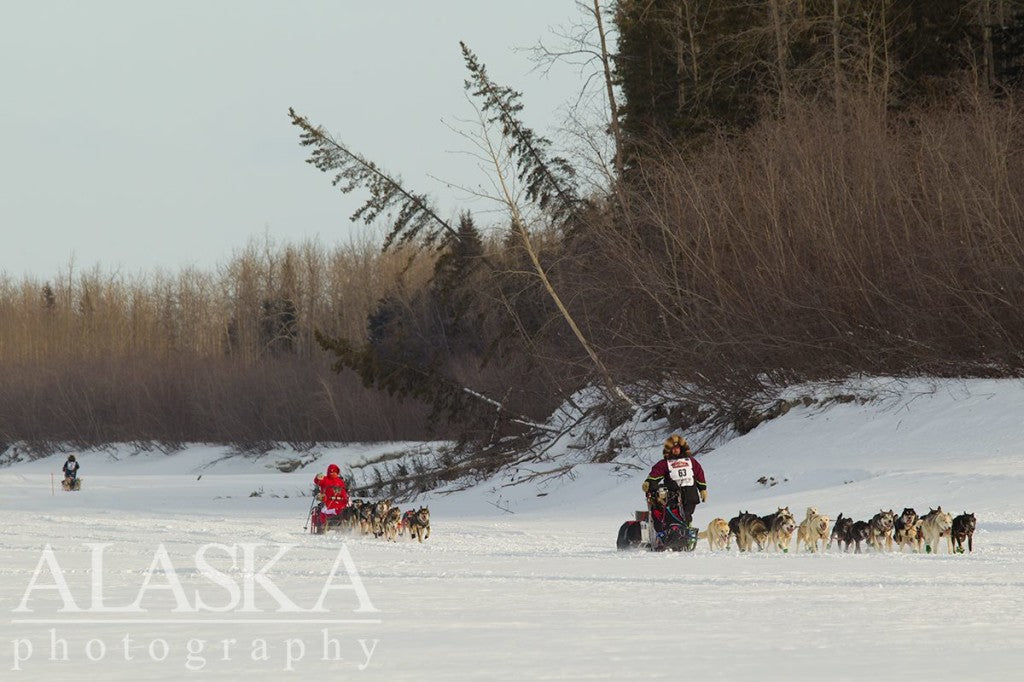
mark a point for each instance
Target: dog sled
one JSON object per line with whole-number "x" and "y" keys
{"x": 71, "y": 484}
{"x": 663, "y": 526}
{"x": 642, "y": 532}
{"x": 322, "y": 519}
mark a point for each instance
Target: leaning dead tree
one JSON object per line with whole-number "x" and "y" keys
{"x": 548, "y": 181}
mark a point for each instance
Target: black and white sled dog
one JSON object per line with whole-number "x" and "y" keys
{"x": 906, "y": 530}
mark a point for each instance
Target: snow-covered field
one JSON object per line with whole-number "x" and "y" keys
{"x": 522, "y": 581}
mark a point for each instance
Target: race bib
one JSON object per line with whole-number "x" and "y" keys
{"x": 681, "y": 471}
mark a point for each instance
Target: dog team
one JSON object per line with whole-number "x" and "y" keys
{"x": 384, "y": 520}
{"x": 882, "y": 533}
{"x": 331, "y": 509}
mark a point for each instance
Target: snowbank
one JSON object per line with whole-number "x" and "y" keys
{"x": 520, "y": 578}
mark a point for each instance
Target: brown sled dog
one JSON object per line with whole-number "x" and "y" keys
{"x": 392, "y": 523}
{"x": 717, "y": 534}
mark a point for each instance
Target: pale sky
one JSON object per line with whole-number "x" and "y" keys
{"x": 141, "y": 135}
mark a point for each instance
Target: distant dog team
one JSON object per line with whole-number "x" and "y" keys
{"x": 384, "y": 520}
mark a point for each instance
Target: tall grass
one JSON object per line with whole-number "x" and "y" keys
{"x": 820, "y": 244}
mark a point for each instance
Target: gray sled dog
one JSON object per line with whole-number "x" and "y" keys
{"x": 419, "y": 524}
{"x": 780, "y": 532}
{"x": 880, "y": 529}
{"x": 937, "y": 524}
{"x": 751, "y": 530}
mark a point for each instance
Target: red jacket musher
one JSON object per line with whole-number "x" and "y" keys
{"x": 332, "y": 488}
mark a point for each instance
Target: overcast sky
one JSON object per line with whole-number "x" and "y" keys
{"x": 142, "y": 135}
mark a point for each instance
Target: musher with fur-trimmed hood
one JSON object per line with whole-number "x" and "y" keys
{"x": 680, "y": 474}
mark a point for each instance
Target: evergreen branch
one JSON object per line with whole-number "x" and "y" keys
{"x": 410, "y": 214}
{"x": 546, "y": 179}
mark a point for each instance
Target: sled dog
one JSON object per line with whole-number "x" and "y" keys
{"x": 392, "y": 521}
{"x": 857, "y": 532}
{"x": 880, "y": 530}
{"x": 348, "y": 518}
{"x": 366, "y": 518}
{"x": 963, "y": 529}
{"x": 936, "y": 524}
{"x": 812, "y": 529}
{"x": 734, "y": 523}
{"x": 734, "y": 526}
{"x": 905, "y": 530}
{"x": 717, "y": 534}
{"x": 419, "y": 524}
{"x": 770, "y": 518}
{"x": 378, "y": 516}
{"x": 839, "y": 531}
{"x": 780, "y": 532}
{"x": 752, "y": 529}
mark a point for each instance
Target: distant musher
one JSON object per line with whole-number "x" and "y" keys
{"x": 71, "y": 481}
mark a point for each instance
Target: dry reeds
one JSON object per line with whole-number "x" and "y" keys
{"x": 820, "y": 244}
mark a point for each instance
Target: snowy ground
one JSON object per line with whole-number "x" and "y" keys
{"x": 523, "y": 581}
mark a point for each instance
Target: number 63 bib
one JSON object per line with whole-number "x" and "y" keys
{"x": 681, "y": 471}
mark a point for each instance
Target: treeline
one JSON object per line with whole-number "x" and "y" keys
{"x": 688, "y": 68}
{"x": 796, "y": 190}
{"x": 229, "y": 356}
